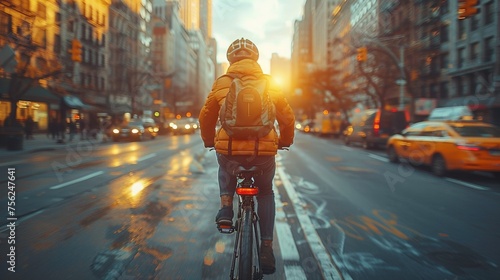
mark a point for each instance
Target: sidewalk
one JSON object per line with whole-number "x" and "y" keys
{"x": 42, "y": 142}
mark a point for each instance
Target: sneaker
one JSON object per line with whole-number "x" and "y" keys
{"x": 225, "y": 216}
{"x": 267, "y": 261}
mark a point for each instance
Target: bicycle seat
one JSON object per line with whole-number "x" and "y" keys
{"x": 243, "y": 170}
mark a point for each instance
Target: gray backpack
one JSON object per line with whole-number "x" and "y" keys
{"x": 248, "y": 111}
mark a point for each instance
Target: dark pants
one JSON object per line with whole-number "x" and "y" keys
{"x": 266, "y": 208}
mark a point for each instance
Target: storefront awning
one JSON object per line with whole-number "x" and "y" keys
{"x": 36, "y": 93}
{"x": 73, "y": 102}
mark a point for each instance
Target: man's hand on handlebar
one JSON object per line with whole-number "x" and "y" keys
{"x": 283, "y": 147}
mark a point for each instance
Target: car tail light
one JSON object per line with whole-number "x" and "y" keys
{"x": 468, "y": 147}
{"x": 376, "y": 124}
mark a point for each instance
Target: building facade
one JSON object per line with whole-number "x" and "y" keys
{"x": 444, "y": 60}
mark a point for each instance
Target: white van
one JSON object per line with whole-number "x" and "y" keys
{"x": 454, "y": 113}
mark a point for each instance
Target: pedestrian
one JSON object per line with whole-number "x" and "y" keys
{"x": 72, "y": 129}
{"x": 245, "y": 150}
{"x": 29, "y": 125}
{"x": 83, "y": 129}
{"x": 53, "y": 129}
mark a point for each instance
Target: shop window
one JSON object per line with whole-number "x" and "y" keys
{"x": 41, "y": 11}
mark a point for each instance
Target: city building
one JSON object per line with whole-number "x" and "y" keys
{"x": 189, "y": 67}
{"x": 430, "y": 56}
{"x": 30, "y": 39}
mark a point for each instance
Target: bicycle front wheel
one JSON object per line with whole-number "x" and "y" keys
{"x": 245, "y": 270}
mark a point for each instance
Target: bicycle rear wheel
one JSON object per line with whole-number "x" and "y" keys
{"x": 245, "y": 269}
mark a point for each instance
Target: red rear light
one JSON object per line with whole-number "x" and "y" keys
{"x": 468, "y": 147}
{"x": 376, "y": 124}
{"x": 247, "y": 191}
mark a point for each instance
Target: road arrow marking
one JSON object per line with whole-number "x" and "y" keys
{"x": 328, "y": 268}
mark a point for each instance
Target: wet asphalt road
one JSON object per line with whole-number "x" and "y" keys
{"x": 145, "y": 210}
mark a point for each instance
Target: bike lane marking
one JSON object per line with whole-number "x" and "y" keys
{"x": 328, "y": 268}
{"x": 289, "y": 251}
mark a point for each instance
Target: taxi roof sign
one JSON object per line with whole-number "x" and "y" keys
{"x": 454, "y": 113}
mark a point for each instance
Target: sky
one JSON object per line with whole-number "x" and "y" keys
{"x": 267, "y": 23}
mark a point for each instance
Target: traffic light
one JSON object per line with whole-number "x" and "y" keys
{"x": 414, "y": 75}
{"x": 76, "y": 50}
{"x": 467, "y": 8}
{"x": 362, "y": 54}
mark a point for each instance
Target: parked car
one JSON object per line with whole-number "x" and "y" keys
{"x": 135, "y": 130}
{"x": 448, "y": 146}
{"x": 307, "y": 126}
{"x": 371, "y": 128}
{"x": 184, "y": 126}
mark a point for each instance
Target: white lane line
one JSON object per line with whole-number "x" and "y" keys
{"x": 288, "y": 249}
{"x": 12, "y": 162}
{"x": 19, "y": 221}
{"x": 377, "y": 157}
{"x": 146, "y": 157}
{"x": 320, "y": 253}
{"x": 77, "y": 180}
{"x": 481, "y": 188}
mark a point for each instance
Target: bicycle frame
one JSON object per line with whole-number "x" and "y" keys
{"x": 246, "y": 226}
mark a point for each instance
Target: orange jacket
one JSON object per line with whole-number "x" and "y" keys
{"x": 209, "y": 116}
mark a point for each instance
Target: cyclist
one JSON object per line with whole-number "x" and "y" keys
{"x": 242, "y": 55}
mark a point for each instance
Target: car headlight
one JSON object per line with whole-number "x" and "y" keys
{"x": 116, "y": 131}
{"x": 135, "y": 130}
{"x": 187, "y": 126}
{"x": 195, "y": 126}
{"x": 156, "y": 129}
{"x": 174, "y": 126}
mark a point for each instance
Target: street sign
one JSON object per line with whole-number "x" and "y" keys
{"x": 401, "y": 82}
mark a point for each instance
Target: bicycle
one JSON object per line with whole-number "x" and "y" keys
{"x": 246, "y": 246}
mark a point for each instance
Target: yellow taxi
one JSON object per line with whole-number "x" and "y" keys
{"x": 448, "y": 146}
